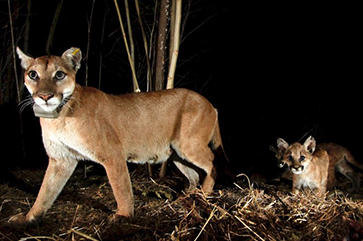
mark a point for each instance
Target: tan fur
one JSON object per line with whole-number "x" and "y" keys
{"x": 340, "y": 160}
{"x": 110, "y": 130}
{"x": 340, "y": 157}
{"x": 309, "y": 167}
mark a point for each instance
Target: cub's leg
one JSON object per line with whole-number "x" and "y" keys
{"x": 119, "y": 178}
{"x": 56, "y": 176}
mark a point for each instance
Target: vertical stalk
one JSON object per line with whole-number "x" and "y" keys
{"x": 132, "y": 48}
{"x": 14, "y": 56}
{"x": 148, "y": 75}
{"x": 88, "y": 42}
{"x": 27, "y": 28}
{"x": 101, "y": 54}
{"x": 16, "y": 79}
{"x": 172, "y": 29}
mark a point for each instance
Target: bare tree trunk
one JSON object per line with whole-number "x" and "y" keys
{"x": 161, "y": 44}
{"x": 173, "y": 53}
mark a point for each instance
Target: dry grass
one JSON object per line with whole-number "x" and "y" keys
{"x": 235, "y": 213}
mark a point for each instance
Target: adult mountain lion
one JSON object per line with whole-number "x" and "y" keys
{"x": 309, "y": 167}
{"x": 83, "y": 123}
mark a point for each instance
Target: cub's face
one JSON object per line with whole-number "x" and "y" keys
{"x": 279, "y": 154}
{"x": 297, "y": 158}
{"x": 50, "y": 79}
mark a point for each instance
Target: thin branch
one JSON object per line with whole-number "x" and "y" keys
{"x": 14, "y": 56}
{"x": 88, "y": 42}
{"x": 127, "y": 47}
{"x": 131, "y": 39}
{"x": 52, "y": 28}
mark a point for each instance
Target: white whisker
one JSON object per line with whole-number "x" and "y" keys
{"x": 28, "y": 101}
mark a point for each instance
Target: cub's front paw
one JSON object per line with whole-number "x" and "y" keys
{"x": 20, "y": 221}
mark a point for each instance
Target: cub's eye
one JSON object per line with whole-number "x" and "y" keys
{"x": 33, "y": 75}
{"x": 289, "y": 158}
{"x": 302, "y": 158}
{"x": 59, "y": 75}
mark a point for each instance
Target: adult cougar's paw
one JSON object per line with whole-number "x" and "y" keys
{"x": 20, "y": 221}
{"x": 115, "y": 218}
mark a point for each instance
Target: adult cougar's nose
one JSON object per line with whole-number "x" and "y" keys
{"x": 45, "y": 97}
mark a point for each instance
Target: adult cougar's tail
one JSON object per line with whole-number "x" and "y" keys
{"x": 216, "y": 141}
{"x": 225, "y": 175}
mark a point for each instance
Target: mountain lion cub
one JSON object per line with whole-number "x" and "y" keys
{"x": 309, "y": 167}
{"x": 341, "y": 160}
{"x": 83, "y": 123}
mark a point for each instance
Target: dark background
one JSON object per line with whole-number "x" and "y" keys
{"x": 288, "y": 70}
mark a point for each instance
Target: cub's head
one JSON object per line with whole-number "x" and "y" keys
{"x": 279, "y": 154}
{"x": 297, "y": 156}
{"x": 51, "y": 79}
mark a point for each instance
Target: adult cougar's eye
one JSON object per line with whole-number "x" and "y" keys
{"x": 59, "y": 75}
{"x": 289, "y": 158}
{"x": 302, "y": 158}
{"x": 33, "y": 74}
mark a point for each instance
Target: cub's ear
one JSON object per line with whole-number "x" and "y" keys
{"x": 273, "y": 149}
{"x": 74, "y": 56}
{"x": 282, "y": 145}
{"x": 310, "y": 144}
{"x": 25, "y": 59}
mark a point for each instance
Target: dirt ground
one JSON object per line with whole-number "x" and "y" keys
{"x": 241, "y": 211}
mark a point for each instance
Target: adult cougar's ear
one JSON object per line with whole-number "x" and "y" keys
{"x": 74, "y": 57}
{"x": 310, "y": 144}
{"x": 25, "y": 59}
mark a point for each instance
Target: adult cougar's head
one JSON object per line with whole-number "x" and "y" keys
{"x": 50, "y": 79}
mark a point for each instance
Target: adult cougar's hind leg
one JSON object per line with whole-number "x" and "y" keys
{"x": 202, "y": 157}
{"x": 189, "y": 173}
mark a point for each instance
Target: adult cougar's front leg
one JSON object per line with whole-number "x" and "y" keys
{"x": 119, "y": 178}
{"x": 56, "y": 176}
